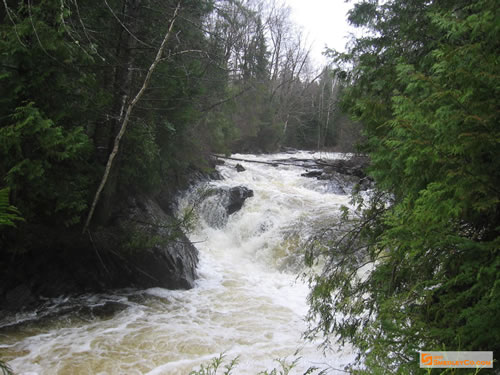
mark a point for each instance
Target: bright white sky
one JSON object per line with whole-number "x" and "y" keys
{"x": 324, "y": 22}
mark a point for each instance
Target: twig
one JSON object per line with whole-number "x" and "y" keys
{"x": 212, "y": 106}
{"x": 36, "y": 33}
{"x": 97, "y": 252}
{"x": 126, "y": 118}
{"x": 7, "y": 10}
{"x": 125, "y": 27}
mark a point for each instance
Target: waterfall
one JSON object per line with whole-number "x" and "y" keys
{"x": 247, "y": 302}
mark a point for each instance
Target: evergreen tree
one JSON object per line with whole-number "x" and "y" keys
{"x": 425, "y": 85}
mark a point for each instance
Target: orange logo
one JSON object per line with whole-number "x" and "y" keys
{"x": 425, "y": 359}
{"x": 456, "y": 359}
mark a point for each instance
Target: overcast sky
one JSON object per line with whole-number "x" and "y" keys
{"x": 323, "y": 22}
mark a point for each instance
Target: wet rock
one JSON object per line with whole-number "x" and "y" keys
{"x": 354, "y": 166}
{"x": 312, "y": 174}
{"x": 18, "y": 297}
{"x": 220, "y": 202}
{"x": 365, "y": 183}
{"x": 142, "y": 247}
{"x": 236, "y": 197}
{"x": 343, "y": 176}
{"x": 240, "y": 168}
{"x": 105, "y": 311}
{"x": 154, "y": 250}
{"x": 215, "y": 176}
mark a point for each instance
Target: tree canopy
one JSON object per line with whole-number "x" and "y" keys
{"x": 419, "y": 268}
{"x": 235, "y": 75}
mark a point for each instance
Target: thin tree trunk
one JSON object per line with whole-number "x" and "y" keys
{"x": 328, "y": 110}
{"x": 126, "y": 118}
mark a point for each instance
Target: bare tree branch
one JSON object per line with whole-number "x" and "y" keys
{"x": 7, "y": 10}
{"x": 125, "y": 27}
{"x": 126, "y": 117}
{"x": 36, "y": 33}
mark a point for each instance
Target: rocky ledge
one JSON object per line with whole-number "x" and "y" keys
{"x": 142, "y": 246}
{"x": 343, "y": 175}
{"x": 218, "y": 203}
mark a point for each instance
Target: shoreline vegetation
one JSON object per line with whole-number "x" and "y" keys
{"x": 108, "y": 109}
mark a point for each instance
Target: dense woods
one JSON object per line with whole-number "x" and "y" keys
{"x": 233, "y": 76}
{"x": 415, "y": 266}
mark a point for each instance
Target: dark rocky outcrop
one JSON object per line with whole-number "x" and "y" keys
{"x": 354, "y": 166}
{"x": 236, "y": 196}
{"x": 141, "y": 246}
{"x": 220, "y": 202}
{"x": 312, "y": 174}
{"x": 342, "y": 175}
{"x": 240, "y": 168}
{"x": 155, "y": 251}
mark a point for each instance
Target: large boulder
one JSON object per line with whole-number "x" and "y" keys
{"x": 240, "y": 168}
{"x": 154, "y": 251}
{"x": 235, "y": 197}
{"x": 142, "y": 246}
{"x": 221, "y": 202}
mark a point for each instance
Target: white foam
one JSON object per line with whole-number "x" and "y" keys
{"x": 242, "y": 303}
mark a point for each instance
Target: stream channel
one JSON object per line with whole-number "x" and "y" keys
{"x": 247, "y": 302}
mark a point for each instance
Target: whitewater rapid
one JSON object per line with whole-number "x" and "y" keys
{"x": 248, "y": 301}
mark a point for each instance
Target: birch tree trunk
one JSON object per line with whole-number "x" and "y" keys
{"x": 126, "y": 118}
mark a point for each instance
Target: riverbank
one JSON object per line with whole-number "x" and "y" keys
{"x": 247, "y": 300}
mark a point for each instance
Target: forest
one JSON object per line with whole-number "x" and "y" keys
{"x": 104, "y": 99}
{"x": 232, "y": 76}
{"x": 424, "y": 82}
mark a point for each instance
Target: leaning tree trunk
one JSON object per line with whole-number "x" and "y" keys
{"x": 126, "y": 119}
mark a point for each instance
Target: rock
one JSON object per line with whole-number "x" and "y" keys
{"x": 142, "y": 247}
{"x": 342, "y": 176}
{"x": 220, "y": 202}
{"x": 312, "y": 174}
{"x": 215, "y": 175}
{"x": 365, "y": 183}
{"x": 240, "y": 168}
{"x": 237, "y": 196}
{"x": 154, "y": 250}
{"x": 18, "y": 297}
{"x": 354, "y": 166}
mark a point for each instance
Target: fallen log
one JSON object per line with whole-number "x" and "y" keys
{"x": 274, "y": 164}
{"x": 354, "y": 166}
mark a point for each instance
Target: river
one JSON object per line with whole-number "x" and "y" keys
{"x": 248, "y": 300}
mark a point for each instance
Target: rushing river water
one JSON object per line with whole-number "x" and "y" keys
{"x": 248, "y": 301}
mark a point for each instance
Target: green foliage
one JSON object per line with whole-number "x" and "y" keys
{"x": 141, "y": 169}
{"x": 37, "y": 157}
{"x": 213, "y": 367}
{"x": 44, "y": 111}
{"x": 62, "y": 87}
{"x": 6, "y": 370}
{"x": 8, "y": 214}
{"x": 429, "y": 103}
{"x": 222, "y": 132}
{"x": 285, "y": 367}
